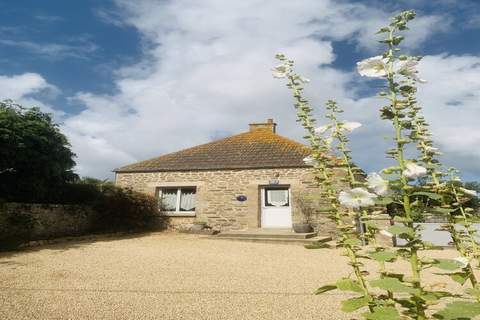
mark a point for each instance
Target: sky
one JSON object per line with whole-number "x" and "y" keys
{"x": 130, "y": 80}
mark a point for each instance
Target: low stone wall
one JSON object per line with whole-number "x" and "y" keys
{"x": 54, "y": 220}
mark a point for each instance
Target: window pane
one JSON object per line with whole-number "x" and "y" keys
{"x": 276, "y": 197}
{"x": 169, "y": 200}
{"x": 187, "y": 199}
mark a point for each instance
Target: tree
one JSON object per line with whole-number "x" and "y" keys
{"x": 35, "y": 157}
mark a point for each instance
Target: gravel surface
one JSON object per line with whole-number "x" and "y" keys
{"x": 170, "y": 276}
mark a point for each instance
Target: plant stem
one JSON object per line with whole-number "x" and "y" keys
{"x": 414, "y": 262}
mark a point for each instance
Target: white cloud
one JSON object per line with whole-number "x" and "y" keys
{"x": 451, "y": 100}
{"x": 80, "y": 50}
{"x": 25, "y": 89}
{"x": 206, "y": 69}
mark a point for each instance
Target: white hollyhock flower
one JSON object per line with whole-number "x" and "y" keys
{"x": 309, "y": 161}
{"x": 280, "y": 71}
{"x": 349, "y": 126}
{"x": 408, "y": 68}
{"x": 468, "y": 192}
{"x": 356, "y": 198}
{"x": 377, "y": 184}
{"x": 303, "y": 79}
{"x": 322, "y": 129}
{"x": 414, "y": 171}
{"x": 374, "y": 67}
{"x": 431, "y": 149}
{"x": 462, "y": 261}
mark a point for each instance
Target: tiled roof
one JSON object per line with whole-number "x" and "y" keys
{"x": 259, "y": 148}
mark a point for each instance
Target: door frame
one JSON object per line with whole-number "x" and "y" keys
{"x": 262, "y": 190}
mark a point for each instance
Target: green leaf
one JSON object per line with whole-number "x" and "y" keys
{"x": 393, "y": 285}
{"x": 442, "y": 210}
{"x": 401, "y": 219}
{"x": 431, "y": 195}
{"x": 353, "y": 304}
{"x": 383, "y": 256}
{"x": 399, "y": 230}
{"x": 383, "y": 30}
{"x": 474, "y": 292}
{"x": 325, "y": 288}
{"x": 384, "y": 201}
{"x": 446, "y": 264}
{"x": 382, "y": 313}
{"x": 459, "y": 310}
{"x": 460, "y": 277}
{"x": 346, "y": 284}
{"x": 353, "y": 242}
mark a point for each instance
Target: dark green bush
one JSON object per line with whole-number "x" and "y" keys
{"x": 123, "y": 209}
{"x": 79, "y": 193}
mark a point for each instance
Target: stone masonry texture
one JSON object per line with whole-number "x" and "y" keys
{"x": 217, "y": 191}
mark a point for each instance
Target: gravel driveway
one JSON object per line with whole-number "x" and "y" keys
{"x": 169, "y": 276}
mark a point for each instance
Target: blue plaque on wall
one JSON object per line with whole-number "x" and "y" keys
{"x": 242, "y": 198}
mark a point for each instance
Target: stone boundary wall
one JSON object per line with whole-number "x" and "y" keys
{"x": 53, "y": 220}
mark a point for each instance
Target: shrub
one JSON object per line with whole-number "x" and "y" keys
{"x": 123, "y": 209}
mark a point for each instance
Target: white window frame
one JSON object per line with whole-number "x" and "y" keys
{"x": 177, "y": 211}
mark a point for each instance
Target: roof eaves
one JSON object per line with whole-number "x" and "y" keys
{"x": 119, "y": 170}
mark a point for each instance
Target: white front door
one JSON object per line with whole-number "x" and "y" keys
{"x": 276, "y": 209}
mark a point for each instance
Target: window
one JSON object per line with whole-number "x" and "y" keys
{"x": 177, "y": 200}
{"x": 276, "y": 197}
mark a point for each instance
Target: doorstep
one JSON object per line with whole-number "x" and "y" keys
{"x": 272, "y": 236}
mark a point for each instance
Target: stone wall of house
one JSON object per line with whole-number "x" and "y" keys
{"x": 217, "y": 193}
{"x": 53, "y": 220}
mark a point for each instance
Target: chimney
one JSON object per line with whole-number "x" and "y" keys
{"x": 269, "y": 125}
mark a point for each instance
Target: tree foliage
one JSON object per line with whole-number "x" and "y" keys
{"x": 35, "y": 157}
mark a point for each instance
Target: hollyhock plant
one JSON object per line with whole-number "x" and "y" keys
{"x": 391, "y": 293}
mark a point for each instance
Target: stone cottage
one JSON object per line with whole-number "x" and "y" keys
{"x": 255, "y": 179}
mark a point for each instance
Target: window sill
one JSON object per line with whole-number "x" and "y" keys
{"x": 178, "y": 214}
